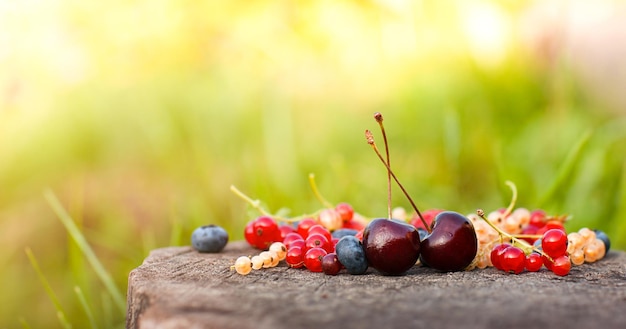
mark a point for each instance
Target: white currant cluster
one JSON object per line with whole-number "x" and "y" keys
{"x": 583, "y": 246}
{"x": 270, "y": 258}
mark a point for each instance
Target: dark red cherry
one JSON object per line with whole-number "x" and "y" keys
{"x": 452, "y": 244}
{"x": 391, "y": 247}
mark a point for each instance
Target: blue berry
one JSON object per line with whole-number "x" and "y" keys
{"x": 605, "y": 238}
{"x": 209, "y": 238}
{"x": 423, "y": 233}
{"x": 351, "y": 254}
{"x": 340, "y": 233}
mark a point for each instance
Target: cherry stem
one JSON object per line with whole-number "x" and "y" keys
{"x": 370, "y": 140}
{"x": 379, "y": 118}
{"x": 514, "y": 238}
{"x": 256, "y": 204}
{"x": 317, "y": 193}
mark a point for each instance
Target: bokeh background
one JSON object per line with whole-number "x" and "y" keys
{"x": 139, "y": 115}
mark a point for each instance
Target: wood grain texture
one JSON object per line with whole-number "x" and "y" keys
{"x": 178, "y": 287}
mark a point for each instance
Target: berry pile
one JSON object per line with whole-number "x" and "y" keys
{"x": 335, "y": 237}
{"x": 308, "y": 242}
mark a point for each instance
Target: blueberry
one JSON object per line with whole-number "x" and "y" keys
{"x": 351, "y": 254}
{"x": 423, "y": 233}
{"x": 605, "y": 238}
{"x": 209, "y": 238}
{"x": 340, "y": 233}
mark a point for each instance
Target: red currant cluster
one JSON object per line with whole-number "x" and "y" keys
{"x": 309, "y": 245}
{"x": 514, "y": 240}
{"x": 514, "y": 259}
{"x": 307, "y": 240}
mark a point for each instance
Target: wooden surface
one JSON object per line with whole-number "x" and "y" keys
{"x": 178, "y": 287}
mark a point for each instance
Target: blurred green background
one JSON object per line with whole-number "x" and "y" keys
{"x": 139, "y": 115}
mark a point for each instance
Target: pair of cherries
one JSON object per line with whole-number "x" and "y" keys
{"x": 393, "y": 247}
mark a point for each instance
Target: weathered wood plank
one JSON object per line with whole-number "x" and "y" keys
{"x": 178, "y": 287}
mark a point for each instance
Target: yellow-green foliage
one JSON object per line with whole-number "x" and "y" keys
{"x": 139, "y": 115}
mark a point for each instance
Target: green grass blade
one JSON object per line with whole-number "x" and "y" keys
{"x": 46, "y": 285}
{"x": 564, "y": 174}
{"x": 85, "y": 305}
{"x": 80, "y": 240}
{"x": 107, "y": 310}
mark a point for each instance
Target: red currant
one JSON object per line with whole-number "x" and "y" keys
{"x": 295, "y": 257}
{"x": 331, "y": 264}
{"x": 562, "y": 265}
{"x": 554, "y": 243}
{"x": 513, "y": 260}
{"x": 359, "y": 234}
{"x": 538, "y": 218}
{"x": 551, "y": 224}
{"x": 297, "y": 243}
{"x": 313, "y": 259}
{"x": 284, "y": 230}
{"x": 429, "y": 216}
{"x": 317, "y": 240}
{"x": 304, "y": 225}
{"x": 530, "y": 229}
{"x": 345, "y": 211}
{"x": 533, "y": 262}
{"x": 496, "y": 255}
{"x": 320, "y": 230}
{"x": 547, "y": 262}
{"x": 249, "y": 234}
{"x": 290, "y": 237}
{"x": 266, "y": 231}
{"x": 354, "y": 224}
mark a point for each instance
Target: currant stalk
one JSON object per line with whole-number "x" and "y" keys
{"x": 256, "y": 204}
{"x": 317, "y": 193}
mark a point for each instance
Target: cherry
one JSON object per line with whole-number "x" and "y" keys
{"x": 554, "y": 243}
{"x": 313, "y": 259}
{"x": 391, "y": 247}
{"x": 452, "y": 244}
